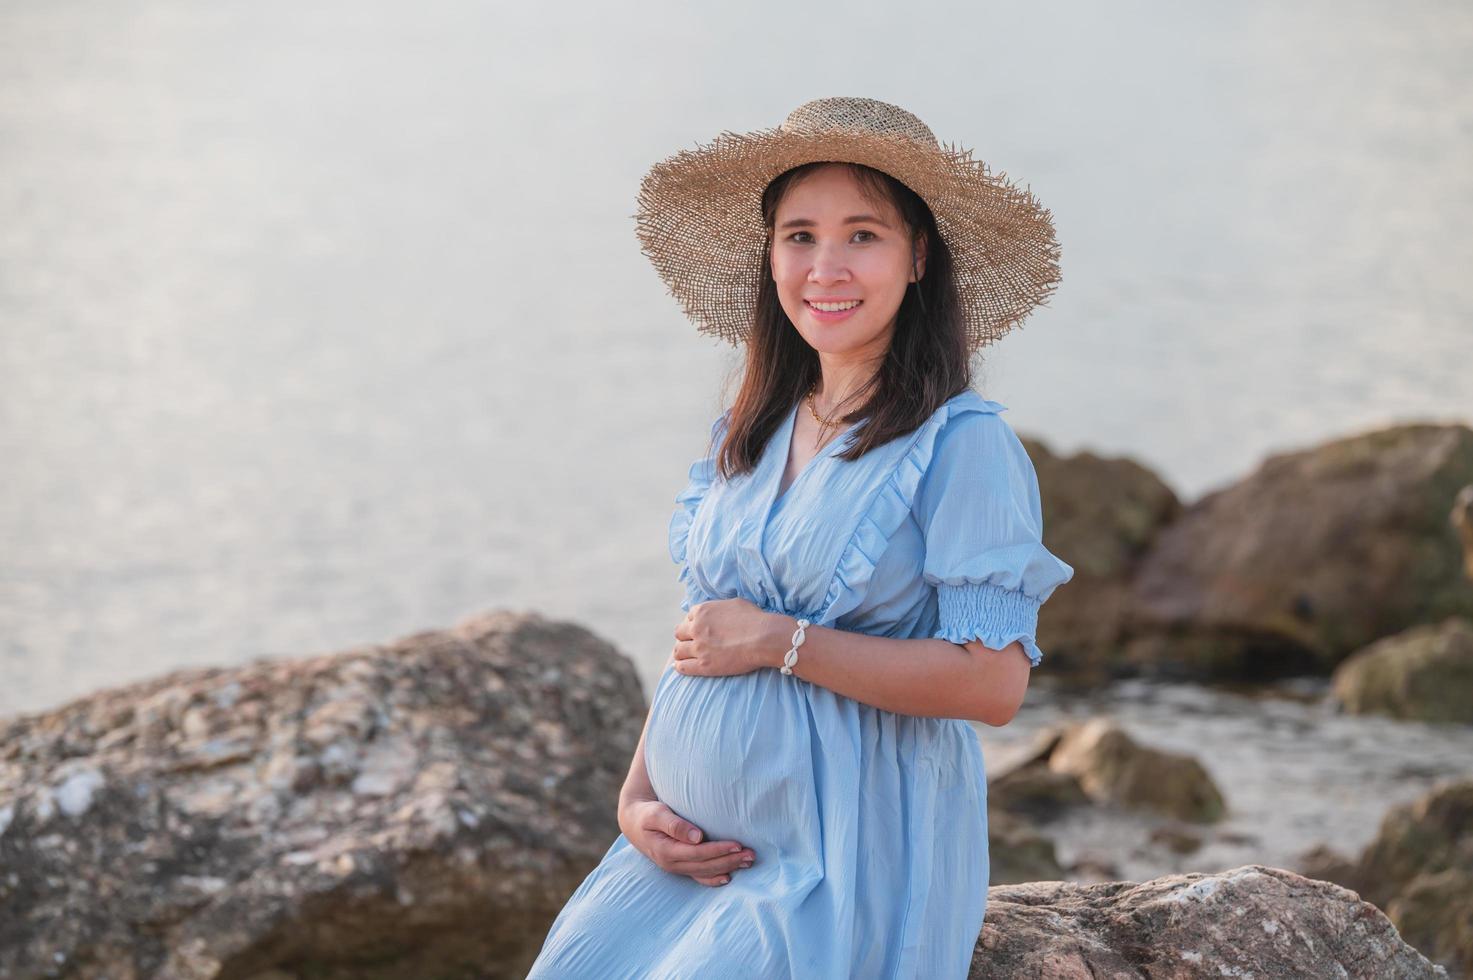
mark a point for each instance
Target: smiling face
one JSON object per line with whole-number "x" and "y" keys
{"x": 841, "y": 262}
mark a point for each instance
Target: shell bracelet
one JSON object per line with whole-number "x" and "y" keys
{"x": 790, "y": 660}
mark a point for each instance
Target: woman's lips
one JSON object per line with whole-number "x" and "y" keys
{"x": 829, "y": 317}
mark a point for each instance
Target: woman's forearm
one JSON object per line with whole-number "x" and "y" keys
{"x": 637, "y": 784}
{"x": 927, "y": 677}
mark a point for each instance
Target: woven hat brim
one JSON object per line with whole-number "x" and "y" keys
{"x": 699, "y": 222}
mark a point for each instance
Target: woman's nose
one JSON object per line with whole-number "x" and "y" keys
{"x": 827, "y": 267}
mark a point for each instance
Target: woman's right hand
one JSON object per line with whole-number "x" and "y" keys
{"x": 674, "y": 843}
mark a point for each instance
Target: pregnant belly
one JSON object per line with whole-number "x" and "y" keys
{"x": 733, "y": 755}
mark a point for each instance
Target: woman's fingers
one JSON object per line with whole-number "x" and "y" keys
{"x": 695, "y": 862}
{"x": 673, "y": 852}
{"x": 678, "y": 848}
{"x": 720, "y": 870}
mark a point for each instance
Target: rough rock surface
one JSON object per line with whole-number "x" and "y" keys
{"x": 1100, "y": 514}
{"x": 1420, "y": 870}
{"x": 1249, "y": 922}
{"x": 1315, "y": 555}
{"x": 1414, "y": 868}
{"x": 423, "y": 809}
{"x": 1423, "y": 674}
{"x": 417, "y": 809}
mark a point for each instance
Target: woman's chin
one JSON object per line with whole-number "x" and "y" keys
{"x": 839, "y": 339}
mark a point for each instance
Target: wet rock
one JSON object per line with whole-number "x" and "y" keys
{"x": 1315, "y": 555}
{"x": 1112, "y": 767}
{"x": 421, "y": 808}
{"x": 1251, "y": 921}
{"x": 1422, "y": 674}
{"x": 1102, "y": 513}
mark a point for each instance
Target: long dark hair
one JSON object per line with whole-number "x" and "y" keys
{"x": 926, "y": 363}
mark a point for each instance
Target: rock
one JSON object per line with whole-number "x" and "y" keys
{"x": 1251, "y": 921}
{"x": 1178, "y": 840}
{"x": 1462, "y": 521}
{"x": 422, "y": 808}
{"x": 1327, "y": 864}
{"x": 1101, "y": 514}
{"x": 1419, "y": 869}
{"x": 1424, "y": 673}
{"x": 1037, "y": 792}
{"x": 1035, "y": 751}
{"x": 1434, "y": 914}
{"x": 1025, "y": 787}
{"x": 1112, "y": 768}
{"x": 1432, "y": 834}
{"x": 1017, "y": 852}
{"x": 1094, "y": 868}
{"x": 1315, "y": 555}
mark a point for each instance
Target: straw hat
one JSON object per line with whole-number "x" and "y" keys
{"x": 700, "y": 214}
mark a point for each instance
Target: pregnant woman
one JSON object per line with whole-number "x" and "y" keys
{"x": 861, "y": 547}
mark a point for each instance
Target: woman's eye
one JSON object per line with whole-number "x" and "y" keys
{"x": 801, "y": 236}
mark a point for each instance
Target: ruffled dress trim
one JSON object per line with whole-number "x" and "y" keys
{"x": 701, "y": 474}
{"x": 889, "y": 508}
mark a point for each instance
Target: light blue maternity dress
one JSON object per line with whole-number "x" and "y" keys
{"x": 869, "y": 827}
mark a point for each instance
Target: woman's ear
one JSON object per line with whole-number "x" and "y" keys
{"x": 918, "y": 260}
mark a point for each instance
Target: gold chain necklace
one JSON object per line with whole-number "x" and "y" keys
{"x": 824, "y": 424}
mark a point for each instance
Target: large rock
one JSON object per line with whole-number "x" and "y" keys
{"x": 1315, "y": 555}
{"x": 1100, "y": 514}
{"x": 420, "y": 809}
{"x": 1422, "y": 674}
{"x": 1420, "y": 870}
{"x": 1252, "y": 921}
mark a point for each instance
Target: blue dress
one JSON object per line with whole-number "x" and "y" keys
{"x": 869, "y": 827}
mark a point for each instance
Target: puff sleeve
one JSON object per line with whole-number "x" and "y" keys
{"x": 701, "y": 473}
{"x": 979, "y": 510}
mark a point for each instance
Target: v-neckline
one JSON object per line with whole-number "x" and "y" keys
{"x": 784, "y": 439}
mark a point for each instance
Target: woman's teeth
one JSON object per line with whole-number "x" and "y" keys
{"x": 835, "y": 307}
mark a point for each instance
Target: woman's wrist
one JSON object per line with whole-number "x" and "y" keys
{"x": 781, "y": 629}
{"x": 779, "y": 639}
{"x": 628, "y": 801}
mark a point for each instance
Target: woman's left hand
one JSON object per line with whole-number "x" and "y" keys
{"x": 726, "y": 636}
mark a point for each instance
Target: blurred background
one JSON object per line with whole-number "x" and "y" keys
{"x": 321, "y": 324}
